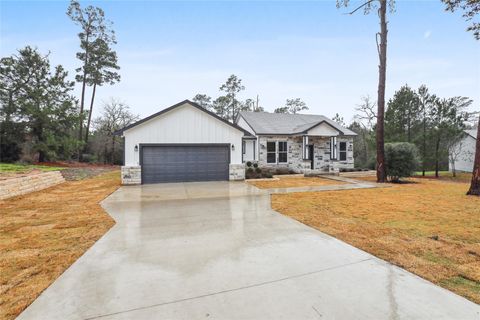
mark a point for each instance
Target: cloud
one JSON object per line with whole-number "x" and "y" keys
{"x": 427, "y": 34}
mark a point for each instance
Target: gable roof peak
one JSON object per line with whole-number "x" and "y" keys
{"x": 179, "y": 104}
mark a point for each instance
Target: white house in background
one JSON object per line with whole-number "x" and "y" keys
{"x": 184, "y": 142}
{"x": 300, "y": 142}
{"x": 463, "y": 153}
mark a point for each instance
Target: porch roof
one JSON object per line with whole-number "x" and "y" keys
{"x": 265, "y": 123}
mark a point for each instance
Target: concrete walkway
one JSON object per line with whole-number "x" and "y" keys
{"x": 348, "y": 184}
{"x": 217, "y": 251}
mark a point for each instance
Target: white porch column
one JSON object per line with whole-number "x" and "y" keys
{"x": 305, "y": 154}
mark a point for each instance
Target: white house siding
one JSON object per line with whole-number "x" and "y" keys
{"x": 185, "y": 124}
{"x": 243, "y": 124}
{"x": 464, "y": 161}
{"x": 323, "y": 129}
{"x": 295, "y": 161}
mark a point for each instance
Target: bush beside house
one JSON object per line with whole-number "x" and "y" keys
{"x": 401, "y": 160}
{"x": 253, "y": 171}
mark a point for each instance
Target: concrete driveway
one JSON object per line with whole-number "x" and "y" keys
{"x": 217, "y": 251}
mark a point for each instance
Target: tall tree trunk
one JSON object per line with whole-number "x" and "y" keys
{"x": 41, "y": 156}
{"x": 90, "y": 114}
{"x": 475, "y": 184}
{"x": 409, "y": 136}
{"x": 38, "y": 132}
{"x": 105, "y": 153}
{"x": 424, "y": 140}
{"x": 437, "y": 148}
{"x": 82, "y": 101}
{"x": 366, "y": 147}
{"x": 382, "y": 74}
{"x": 82, "y": 98}
{"x": 113, "y": 149}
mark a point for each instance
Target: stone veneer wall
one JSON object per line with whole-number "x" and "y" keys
{"x": 294, "y": 158}
{"x": 131, "y": 175}
{"x": 237, "y": 171}
{"x": 26, "y": 184}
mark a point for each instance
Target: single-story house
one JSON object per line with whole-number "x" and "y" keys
{"x": 186, "y": 142}
{"x": 464, "y": 152}
{"x": 300, "y": 142}
{"x": 181, "y": 143}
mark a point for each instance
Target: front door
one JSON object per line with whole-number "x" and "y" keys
{"x": 311, "y": 156}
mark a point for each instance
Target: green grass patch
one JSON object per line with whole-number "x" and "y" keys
{"x": 432, "y": 173}
{"x": 447, "y": 175}
{"x": 438, "y": 259}
{"x": 23, "y": 168}
{"x": 461, "y": 282}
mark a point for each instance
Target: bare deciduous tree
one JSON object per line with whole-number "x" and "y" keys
{"x": 366, "y": 114}
{"x": 115, "y": 116}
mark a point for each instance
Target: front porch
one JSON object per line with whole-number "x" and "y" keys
{"x": 306, "y": 154}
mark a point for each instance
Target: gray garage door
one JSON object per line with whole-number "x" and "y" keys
{"x": 177, "y": 163}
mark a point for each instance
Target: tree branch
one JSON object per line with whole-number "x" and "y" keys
{"x": 361, "y": 6}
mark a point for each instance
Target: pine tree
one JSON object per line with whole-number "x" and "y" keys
{"x": 93, "y": 26}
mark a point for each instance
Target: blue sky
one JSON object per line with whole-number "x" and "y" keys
{"x": 169, "y": 51}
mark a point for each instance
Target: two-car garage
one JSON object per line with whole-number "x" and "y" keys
{"x": 182, "y": 143}
{"x": 184, "y": 163}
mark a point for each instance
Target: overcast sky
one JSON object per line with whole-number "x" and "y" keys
{"x": 169, "y": 51}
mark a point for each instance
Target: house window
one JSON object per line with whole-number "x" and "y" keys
{"x": 343, "y": 151}
{"x": 271, "y": 152}
{"x": 333, "y": 148}
{"x": 282, "y": 151}
{"x": 243, "y": 146}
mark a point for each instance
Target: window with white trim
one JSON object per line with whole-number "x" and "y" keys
{"x": 343, "y": 151}
{"x": 282, "y": 152}
{"x": 333, "y": 148}
{"x": 243, "y": 146}
{"x": 271, "y": 152}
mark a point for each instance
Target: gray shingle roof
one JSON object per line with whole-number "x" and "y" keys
{"x": 473, "y": 133}
{"x": 281, "y": 123}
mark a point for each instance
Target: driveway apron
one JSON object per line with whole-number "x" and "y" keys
{"x": 216, "y": 250}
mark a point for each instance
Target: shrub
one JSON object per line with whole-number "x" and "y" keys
{"x": 255, "y": 165}
{"x": 249, "y": 169}
{"x": 249, "y": 164}
{"x": 258, "y": 170}
{"x": 401, "y": 160}
{"x": 90, "y": 158}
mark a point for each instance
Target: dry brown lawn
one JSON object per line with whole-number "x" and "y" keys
{"x": 428, "y": 227}
{"x": 291, "y": 182}
{"x": 43, "y": 233}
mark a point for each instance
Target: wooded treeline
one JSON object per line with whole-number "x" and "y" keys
{"x": 41, "y": 119}
{"x": 433, "y": 124}
{"x": 228, "y": 104}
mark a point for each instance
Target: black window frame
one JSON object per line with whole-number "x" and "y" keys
{"x": 342, "y": 153}
{"x": 274, "y": 152}
{"x": 283, "y": 152}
